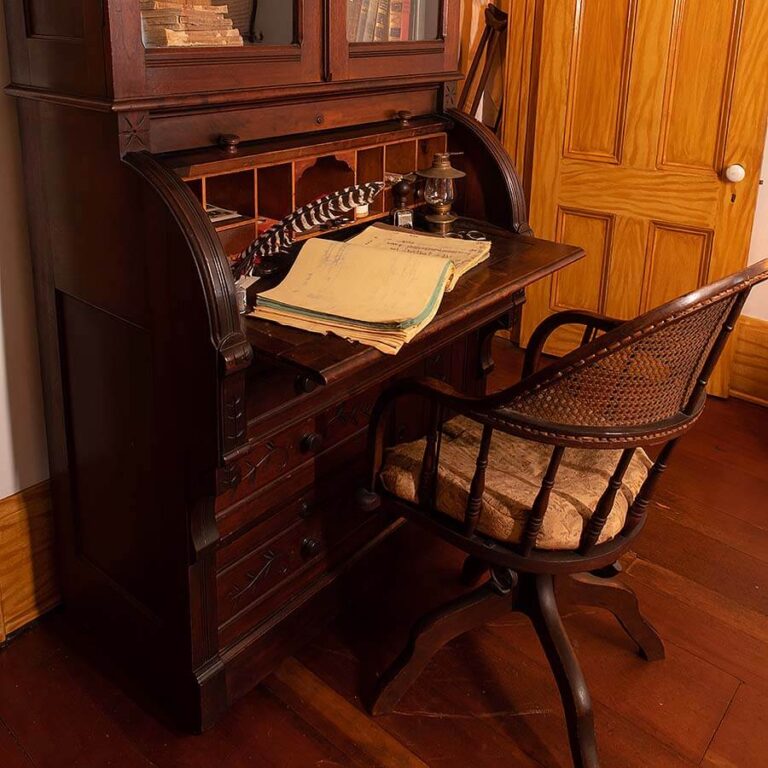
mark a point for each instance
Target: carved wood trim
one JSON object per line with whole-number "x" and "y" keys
{"x": 133, "y": 130}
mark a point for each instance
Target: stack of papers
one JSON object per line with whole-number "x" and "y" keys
{"x": 381, "y": 288}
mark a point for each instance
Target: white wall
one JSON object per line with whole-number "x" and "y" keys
{"x": 23, "y": 459}
{"x": 757, "y": 303}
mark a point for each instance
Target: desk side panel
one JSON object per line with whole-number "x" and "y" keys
{"x": 135, "y": 347}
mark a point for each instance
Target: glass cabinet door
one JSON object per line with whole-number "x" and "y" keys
{"x": 389, "y": 38}
{"x": 371, "y": 21}
{"x": 228, "y": 44}
{"x": 217, "y": 23}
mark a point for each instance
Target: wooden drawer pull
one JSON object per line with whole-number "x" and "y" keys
{"x": 310, "y": 548}
{"x": 311, "y": 443}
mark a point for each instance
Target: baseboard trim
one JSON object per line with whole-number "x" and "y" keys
{"x": 28, "y": 579}
{"x": 749, "y": 367}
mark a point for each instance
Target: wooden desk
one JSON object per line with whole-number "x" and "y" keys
{"x": 286, "y": 510}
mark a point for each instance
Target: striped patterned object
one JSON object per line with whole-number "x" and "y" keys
{"x": 277, "y": 239}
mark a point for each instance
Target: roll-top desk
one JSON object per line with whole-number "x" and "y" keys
{"x": 204, "y": 465}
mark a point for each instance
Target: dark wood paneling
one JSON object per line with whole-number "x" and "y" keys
{"x": 60, "y": 18}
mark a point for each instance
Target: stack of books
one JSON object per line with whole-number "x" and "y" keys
{"x": 187, "y": 23}
{"x": 380, "y": 20}
{"x": 380, "y": 288}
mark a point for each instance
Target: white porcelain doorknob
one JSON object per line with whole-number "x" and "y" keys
{"x": 735, "y": 173}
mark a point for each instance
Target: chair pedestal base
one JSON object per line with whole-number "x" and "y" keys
{"x": 533, "y": 595}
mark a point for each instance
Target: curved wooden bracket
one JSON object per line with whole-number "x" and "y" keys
{"x": 215, "y": 275}
{"x": 226, "y": 331}
{"x": 489, "y": 149}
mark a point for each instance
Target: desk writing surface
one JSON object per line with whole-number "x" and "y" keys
{"x": 483, "y": 293}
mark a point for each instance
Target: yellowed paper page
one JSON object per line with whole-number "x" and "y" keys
{"x": 364, "y": 285}
{"x": 464, "y": 254}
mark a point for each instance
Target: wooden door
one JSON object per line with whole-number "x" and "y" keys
{"x": 642, "y": 105}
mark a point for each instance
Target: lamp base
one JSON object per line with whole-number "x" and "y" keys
{"x": 441, "y": 218}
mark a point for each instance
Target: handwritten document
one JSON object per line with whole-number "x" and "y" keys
{"x": 463, "y": 254}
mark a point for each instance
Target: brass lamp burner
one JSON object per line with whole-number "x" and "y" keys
{"x": 440, "y": 190}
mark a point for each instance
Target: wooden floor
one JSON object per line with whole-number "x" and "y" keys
{"x": 701, "y": 570}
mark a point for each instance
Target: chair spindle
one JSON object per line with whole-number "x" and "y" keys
{"x": 429, "y": 466}
{"x": 541, "y": 503}
{"x": 597, "y": 522}
{"x": 640, "y": 505}
{"x": 477, "y": 488}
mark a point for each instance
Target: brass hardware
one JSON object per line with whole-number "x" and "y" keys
{"x": 404, "y": 116}
{"x": 230, "y": 142}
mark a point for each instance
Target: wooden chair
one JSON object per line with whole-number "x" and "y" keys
{"x": 546, "y": 483}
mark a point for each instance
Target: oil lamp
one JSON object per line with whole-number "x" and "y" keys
{"x": 440, "y": 190}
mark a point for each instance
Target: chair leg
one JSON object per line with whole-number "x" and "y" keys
{"x": 432, "y": 632}
{"x": 473, "y": 571}
{"x": 621, "y": 601}
{"x": 541, "y": 607}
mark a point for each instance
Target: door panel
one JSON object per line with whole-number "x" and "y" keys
{"x": 641, "y": 105}
{"x": 600, "y": 66}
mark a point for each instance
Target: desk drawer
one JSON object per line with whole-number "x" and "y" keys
{"x": 262, "y": 570}
{"x": 307, "y": 441}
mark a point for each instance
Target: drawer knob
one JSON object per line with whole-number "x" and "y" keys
{"x": 310, "y": 548}
{"x": 229, "y": 141}
{"x": 311, "y": 443}
{"x": 404, "y": 116}
{"x": 305, "y": 509}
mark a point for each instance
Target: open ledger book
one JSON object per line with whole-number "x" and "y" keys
{"x": 380, "y": 288}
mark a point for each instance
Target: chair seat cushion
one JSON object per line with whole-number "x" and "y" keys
{"x": 515, "y": 471}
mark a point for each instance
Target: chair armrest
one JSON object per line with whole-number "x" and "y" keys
{"x": 591, "y": 320}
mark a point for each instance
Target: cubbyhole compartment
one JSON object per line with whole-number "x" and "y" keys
{"x": 275, "y": 194}
{"x": 233, "y": 192}
{"x": 235, "y": 240}
{"x": 370, "y": 167}
{"x": 401, "y": 160}
{"x": 320, "y": 176}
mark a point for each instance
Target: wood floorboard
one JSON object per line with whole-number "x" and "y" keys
{"x": 11, "y": 753}
{"x": 742, "y": 739}
{"x": 487, "y": 699}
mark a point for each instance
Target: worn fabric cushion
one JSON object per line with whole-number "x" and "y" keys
{"x": 516, "y": 468}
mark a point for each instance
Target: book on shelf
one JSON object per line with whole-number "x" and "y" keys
{"x": 400, "y": 20}
{"x": 180, "y": 23}
{"x": 353, "y": 17}
{"x": 381, "y": 288}
{"x": 367, "y": 22}
{"x": 381, "y": 31}
{"x": 384, "y": 20}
